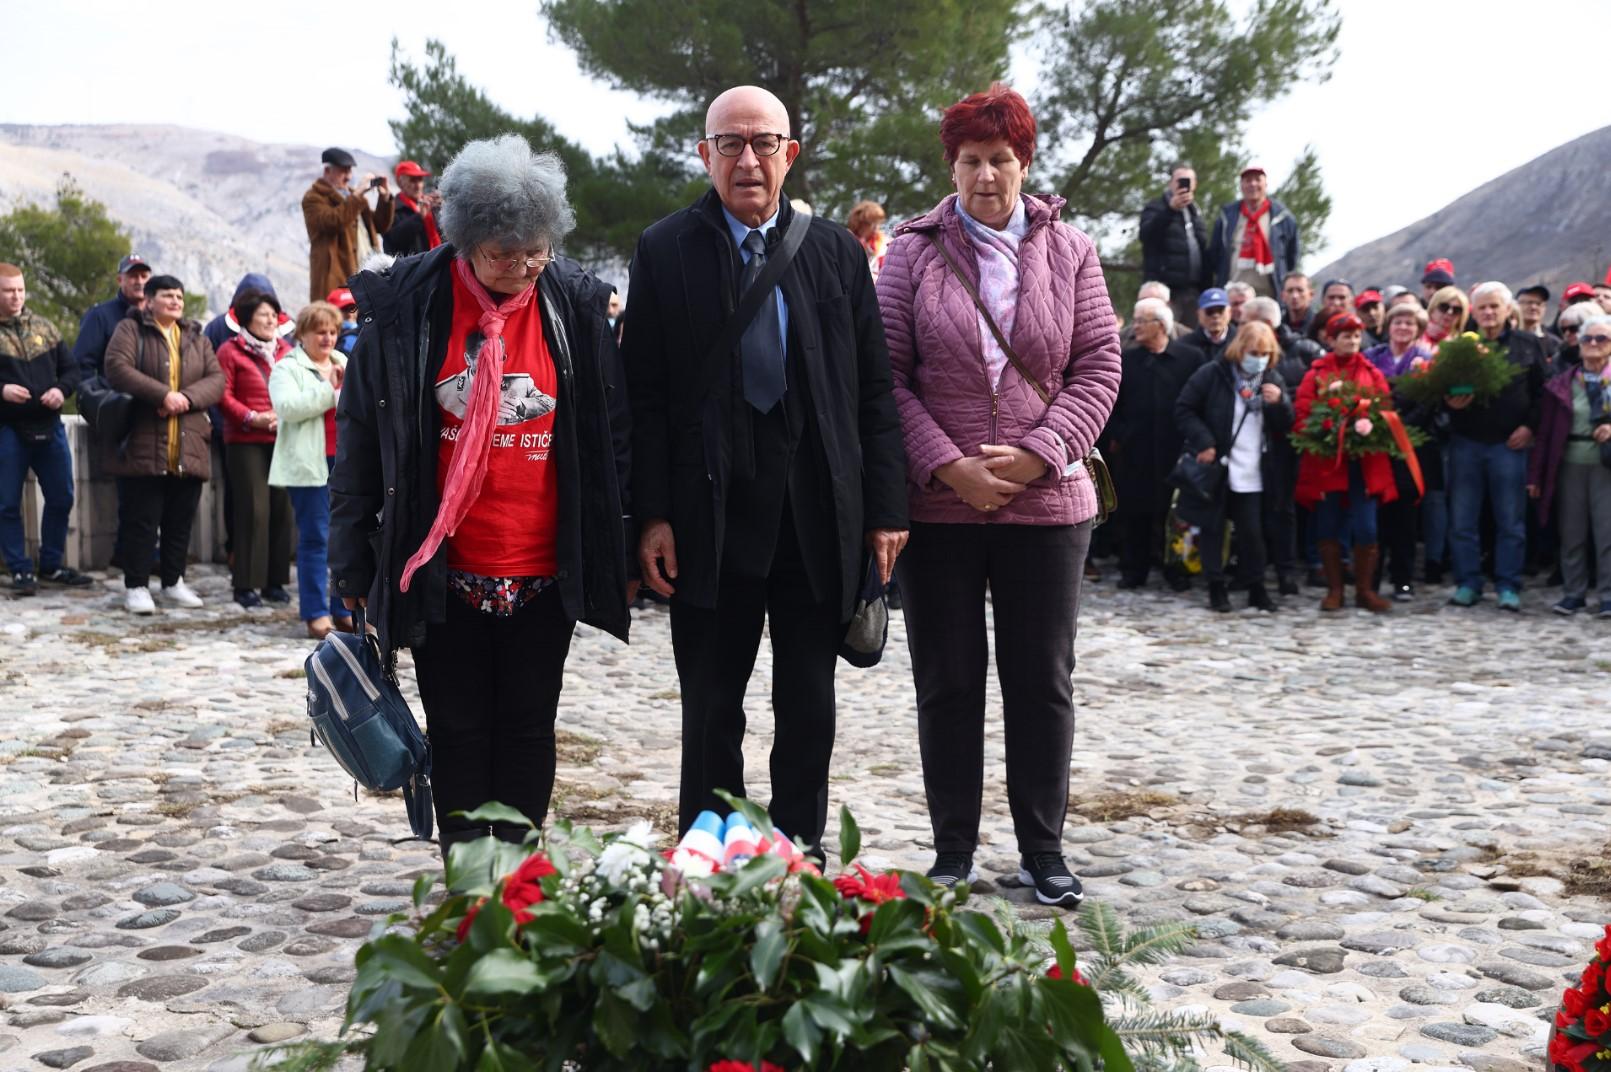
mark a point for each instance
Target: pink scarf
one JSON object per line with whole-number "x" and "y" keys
{"x": 469, "y": 466}
{"x": 997, "y": 255}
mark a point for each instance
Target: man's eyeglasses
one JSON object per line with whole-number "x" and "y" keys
{"x": 538, "y": 261}
{"x": 1597, "y": 340}
{"x": 1449, "y": 309}
{"x": 733, "y": 144}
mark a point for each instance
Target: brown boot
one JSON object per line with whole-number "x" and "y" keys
{"x": 1365, "y": 559}
{"x": 1331, "y": 566}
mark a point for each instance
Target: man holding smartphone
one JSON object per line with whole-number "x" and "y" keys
{"x": 343, "y": 228}
{"x": 1174, "y": 244}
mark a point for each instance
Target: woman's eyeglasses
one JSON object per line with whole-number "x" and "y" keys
{"x": 1449, "y": 309}
{"x": 1597, "y": 340}
{"x": 1568, "y": 329}
{"x": 538, "y": 261}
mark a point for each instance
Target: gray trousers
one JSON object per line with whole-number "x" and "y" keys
{"x": 1583, "y": 504}
{"x": 1033, "y": 573}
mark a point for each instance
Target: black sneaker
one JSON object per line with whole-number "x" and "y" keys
{"x": 24, "y": 584}
{"x": 67, "y": 578}
{"x": 1218, "y": 600}
{"x": 951, "y": 868}
{"x": 1285, "y": 584}
{"x": 248, "y": 598}
{"x": 276, "y": 594}
{"x": 1054, "y": 883}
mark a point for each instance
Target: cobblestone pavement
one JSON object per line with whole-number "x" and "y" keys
{"x": 1387, "y": 830}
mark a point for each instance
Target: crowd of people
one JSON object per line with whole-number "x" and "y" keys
{"x": 788, "y": 416}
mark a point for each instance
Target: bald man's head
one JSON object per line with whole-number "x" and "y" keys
{"x": 747, "y": 151}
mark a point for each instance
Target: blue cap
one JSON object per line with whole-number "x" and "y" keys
{"x": 1213, "y": 297}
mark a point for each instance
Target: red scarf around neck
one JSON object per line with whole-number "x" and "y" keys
{"x": 432, "y": 235}
{"x": 1255, "y": 244}
{"x": 469, "y": 467}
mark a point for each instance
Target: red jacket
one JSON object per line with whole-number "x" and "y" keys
{"x": 246, "y": 389}
{"x": 1318, "y": 474}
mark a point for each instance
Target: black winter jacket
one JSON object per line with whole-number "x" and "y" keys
{"x": 1516, "y": 406}
{"x": 1141, "y": 440}
{"x": 406, "y": 236}
{"x": 1165, "y": 255}
{"x": 1297, "y": 354}
{"x": 383, "y": 495}
{"x": 1205, "y": 412}
{"x": 684, "y": 287}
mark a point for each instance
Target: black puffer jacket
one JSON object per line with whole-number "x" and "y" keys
{"x": 1205, "y": 412}
{"x": 383, "y": 489}
{"x": 1165, "y": 253}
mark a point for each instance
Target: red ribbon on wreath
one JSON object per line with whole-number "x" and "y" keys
{"x": 1411, "y": 462}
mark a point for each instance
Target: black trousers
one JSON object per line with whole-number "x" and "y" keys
{"x": 1245, "y": 511}
{"x": 262, "y": 535}
{"x": 490, "y": 687}
{"x": 1281, "y": 535}
{"x": 147, "y": 504}
{"x": 1033, "y": 573}
{"x": 1396, "y": 529}
{"x": 1143, "y": 538}
{"x": 715, "y": 652}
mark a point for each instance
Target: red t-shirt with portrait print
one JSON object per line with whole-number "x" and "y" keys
{"x": 509, "y": 529}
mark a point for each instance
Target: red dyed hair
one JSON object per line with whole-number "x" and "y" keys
{"x": 998, "y": 112}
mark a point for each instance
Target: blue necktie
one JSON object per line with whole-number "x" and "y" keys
{"x": 760, "y": 348}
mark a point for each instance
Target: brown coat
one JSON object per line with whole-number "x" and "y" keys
{"x": 137, "y": 362}
{"x": 332, "y": 245}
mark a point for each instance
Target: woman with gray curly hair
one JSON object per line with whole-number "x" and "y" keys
{"x": 478, "y": 502}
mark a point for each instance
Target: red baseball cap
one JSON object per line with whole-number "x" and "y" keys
{"x": 409, "y": 169}
{"x": 1577, "y": 290}
{"x": 1368, "y": 297}
{"x": 1441, "y": 264}
{"x": 341, "y": 297}
{"x": 1343, "y": 322}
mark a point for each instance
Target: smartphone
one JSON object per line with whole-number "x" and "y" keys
{"x": 377, "y": 182}
{"x": 1182, "y": 183}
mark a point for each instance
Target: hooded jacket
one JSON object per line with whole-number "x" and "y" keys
{"x": 221, "y": 328}
{"x": 137, "y": 362}
{"x": 1064, "y": 333}
{"x": 383, "y": 495}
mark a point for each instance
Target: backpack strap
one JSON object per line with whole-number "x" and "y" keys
{"x": 777, "y": 262}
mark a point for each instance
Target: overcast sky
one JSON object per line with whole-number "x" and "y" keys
{"x": 1427, "y": 100}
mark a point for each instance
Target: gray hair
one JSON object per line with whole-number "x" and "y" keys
{"x": 1154, "y": 289}
{"x": 1592, "y": 321}
{"x": 1264, "y": 310}
{"x": 1239, "y": 287}
{"x": 1482, "y": 290}
{"x": 498, "y": 192}
{"x": 1576, "y": 314}
{"x": 1410, "y": 309}
{"x": 1158, "y": 309}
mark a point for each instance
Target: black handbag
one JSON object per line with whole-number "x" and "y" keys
{"x": 108, "y": 411}
{"x": 1201, "y": 482}
{"x": 868, "y": 631}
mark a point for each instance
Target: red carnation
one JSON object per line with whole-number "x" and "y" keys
{"x": 1562, "y": 1020}
{"x": 1603, "y": 946}
{"x": 1593, "y": 975}
{"x": 1325, "y": 425}
{"x": 1054, "y": 972}
{"x": 743, "y": 1066}
{"x": 1596, "y": 1023}
{"x": 521, "y": 890}
{"x": 1574, "y": 1002}
{"x": 865, "y": 886}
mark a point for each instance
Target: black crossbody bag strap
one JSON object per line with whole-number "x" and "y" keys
{"x": 990, "y": 321}
{"x": 777, "y": 262}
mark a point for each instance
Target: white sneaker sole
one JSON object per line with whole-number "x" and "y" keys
{"x": 973, "y": 876}
{"x": 1071, "y": 897}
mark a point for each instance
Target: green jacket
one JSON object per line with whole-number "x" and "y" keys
{"x": 301, "y": 399}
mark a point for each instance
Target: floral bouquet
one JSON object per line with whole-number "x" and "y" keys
{"x": 1349, "y": 420}
{"x": 1463, "y": 365}
{"x": 1581, "y": 1039}
{"x": 726, "y": 952}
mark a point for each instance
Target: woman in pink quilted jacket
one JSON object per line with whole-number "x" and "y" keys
{"x": 996, "y": 438}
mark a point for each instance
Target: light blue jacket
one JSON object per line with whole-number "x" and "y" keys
{"x": 301, "y": 398}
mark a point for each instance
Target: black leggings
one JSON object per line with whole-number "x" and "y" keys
{"x": 490, "y": 688}
{"x": 1245, "y": 511}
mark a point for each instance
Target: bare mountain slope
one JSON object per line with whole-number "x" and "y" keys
{"x": 204, "y": 206}
{"x": 1547, "y": 221}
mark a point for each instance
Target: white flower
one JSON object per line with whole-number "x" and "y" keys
{"x": 693, "y": 864}
{"x": 630, "y": 852}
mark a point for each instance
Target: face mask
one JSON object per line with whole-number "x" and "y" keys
{"x": 1252, "y": 364}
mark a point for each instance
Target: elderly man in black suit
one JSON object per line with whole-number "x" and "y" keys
{"x": 768, "y": 456}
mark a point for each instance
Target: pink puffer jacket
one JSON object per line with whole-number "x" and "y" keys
{"x": 1064, "y": 333}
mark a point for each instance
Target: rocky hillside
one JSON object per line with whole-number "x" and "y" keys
{"x": 204, "y": 206}
{"x": 1547, "y": 221}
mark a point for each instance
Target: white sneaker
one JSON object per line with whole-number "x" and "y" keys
{"x": 181, "y": 595}
{"x": 138, "y": 601}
